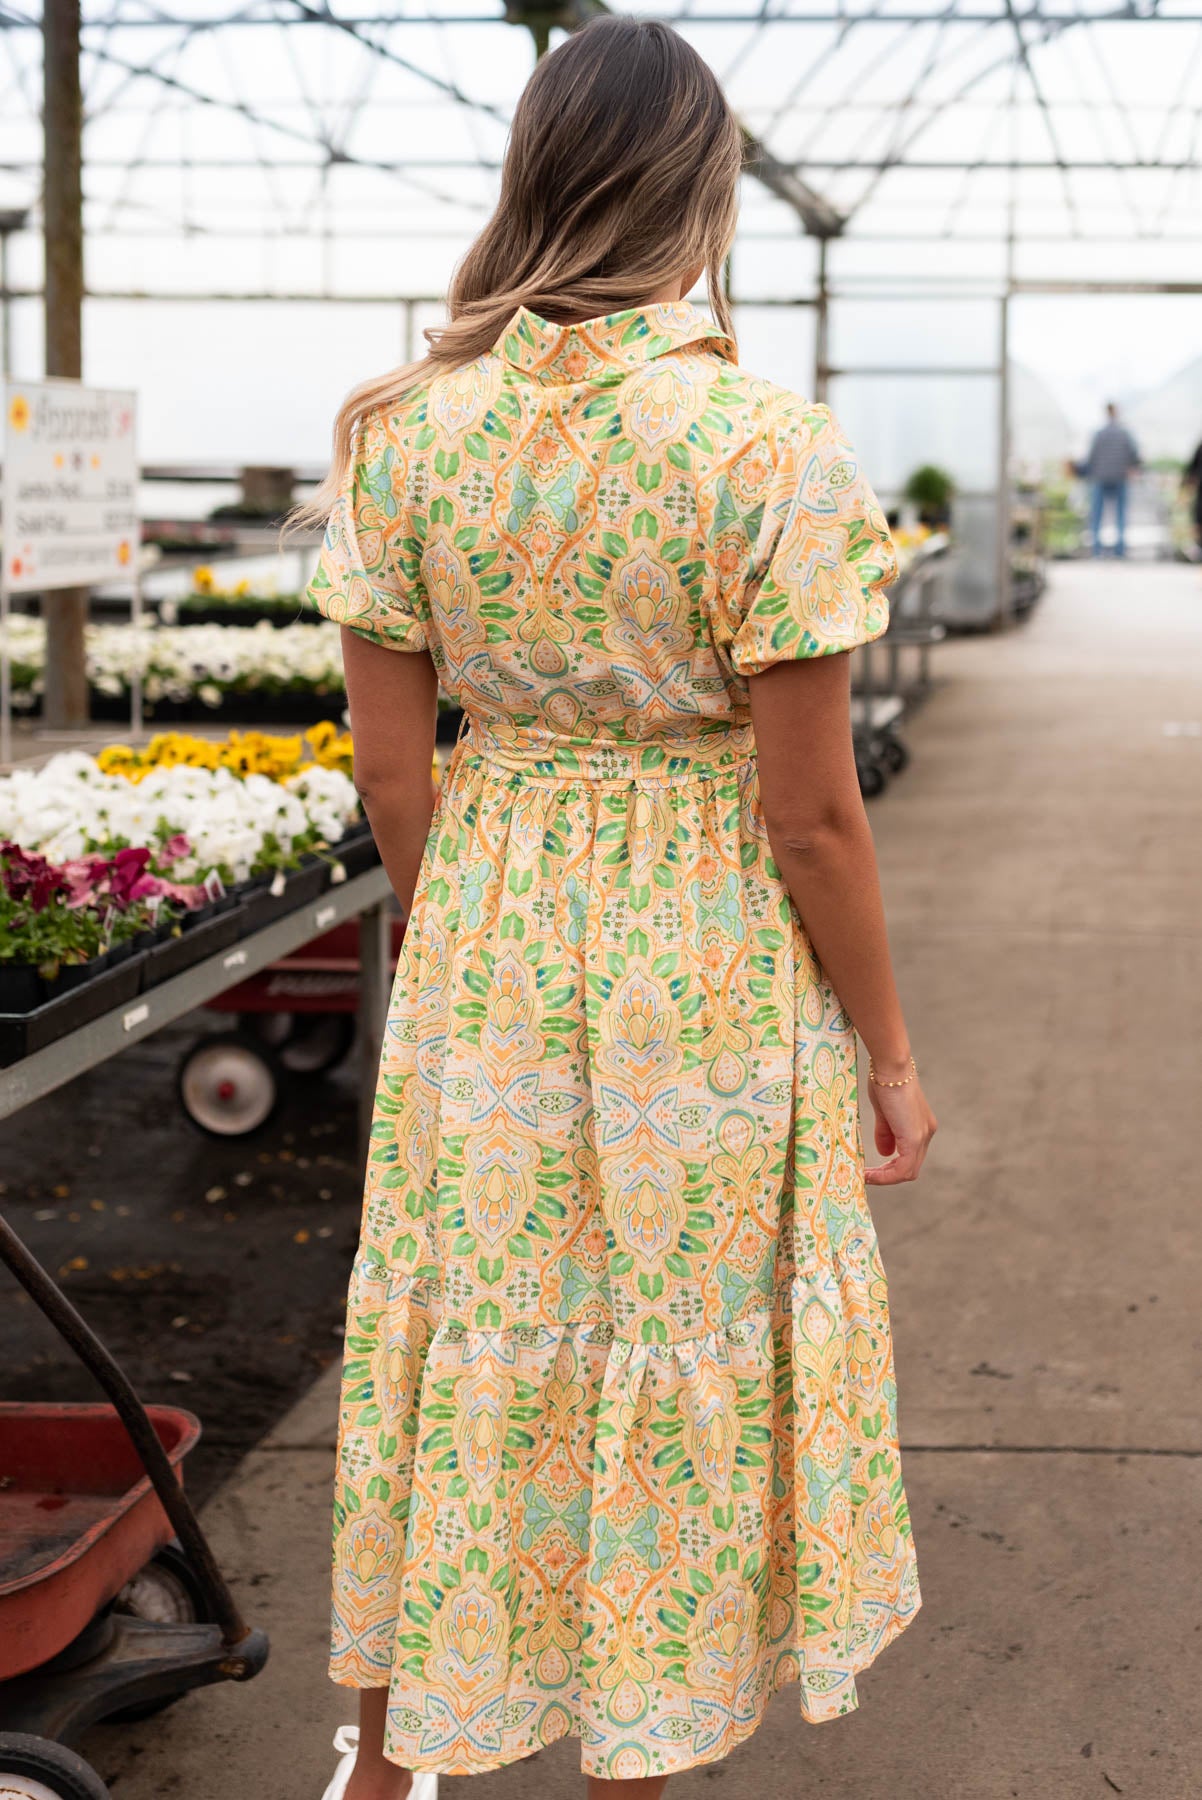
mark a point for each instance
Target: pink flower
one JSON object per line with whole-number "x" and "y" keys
{"x": 183, "y": 894}
{"x": 172, "y": 850}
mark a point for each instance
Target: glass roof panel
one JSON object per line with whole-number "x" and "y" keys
{"x": 355, "y": 150}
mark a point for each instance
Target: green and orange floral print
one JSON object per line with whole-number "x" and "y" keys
{"x": 618, "y": 1449}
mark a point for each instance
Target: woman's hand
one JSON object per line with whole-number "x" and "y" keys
{"x": 905, "y": 1126}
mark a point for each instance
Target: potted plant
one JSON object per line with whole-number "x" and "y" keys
{"x": 931, "y": 490}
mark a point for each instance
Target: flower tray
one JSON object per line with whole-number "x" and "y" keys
{"x": 23, "y": 989}
{"x": 247, "y": 615}
{"x": 261, "y": 907}
{"x": 356, "y": 850}
{"x": 256, "y": 708}
{"x": 204, "y": 933}
{"x": 23, "y": 1033}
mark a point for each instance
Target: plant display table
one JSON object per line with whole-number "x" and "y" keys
{"x": 366, "y": 897}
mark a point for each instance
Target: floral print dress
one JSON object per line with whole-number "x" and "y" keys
{"x": 618, "y": 1447}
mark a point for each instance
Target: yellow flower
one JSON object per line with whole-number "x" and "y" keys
{"x": 242, "y": 752}
{"x": 18, "y": 413}
{"x": 203, "y": 579}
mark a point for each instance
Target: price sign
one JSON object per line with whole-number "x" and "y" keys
{"x": 70, "y": 490}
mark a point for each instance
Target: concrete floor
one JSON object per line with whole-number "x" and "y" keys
{"x": 1043, "y": 867}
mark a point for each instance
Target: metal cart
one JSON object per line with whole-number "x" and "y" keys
{"x": 882, "y": 696}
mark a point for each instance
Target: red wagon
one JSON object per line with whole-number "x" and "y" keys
{"x": 295, "y": 1018}
{"x": 111, "y": 1604}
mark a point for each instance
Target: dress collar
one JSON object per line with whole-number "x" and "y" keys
{"x": 612, "y": 345}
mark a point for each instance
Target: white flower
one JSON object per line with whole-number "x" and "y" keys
{"x": 226, "y": 817}
{"x": 179, "y": 660}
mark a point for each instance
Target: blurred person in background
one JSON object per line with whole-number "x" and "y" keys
{"x": 1191, "y": 479}
{"x": 1112, "y": 457}
{"x": 618, "y": 1449}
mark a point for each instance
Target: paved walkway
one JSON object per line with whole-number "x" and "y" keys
{"x": 1043, "y": 866}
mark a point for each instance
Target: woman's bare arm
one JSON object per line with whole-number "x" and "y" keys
{"x": 820, "y": 839}
{"x": 393, "y": 697}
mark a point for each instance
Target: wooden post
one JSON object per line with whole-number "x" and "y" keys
{"x": 66, "y": 612}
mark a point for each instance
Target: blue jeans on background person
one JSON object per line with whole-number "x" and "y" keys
{"x": 1116, "y": 493}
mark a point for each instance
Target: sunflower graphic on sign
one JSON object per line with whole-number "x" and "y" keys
{"x": 18, "y": 413}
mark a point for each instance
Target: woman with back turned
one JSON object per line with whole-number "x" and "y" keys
{"x": 618, "y": 1446}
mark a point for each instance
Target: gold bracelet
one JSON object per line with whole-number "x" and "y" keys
{"x": 872, "y": 1076}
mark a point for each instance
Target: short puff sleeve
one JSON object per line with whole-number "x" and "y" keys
{"x": 368, "y": 576}
{"x": 823, "y": 557}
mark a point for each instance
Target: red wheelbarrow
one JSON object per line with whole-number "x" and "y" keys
{"x": 111, "y": 1604}
{"x": 296, "y": 1018}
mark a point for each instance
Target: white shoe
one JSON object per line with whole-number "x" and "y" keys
{"x": 346, "y": 1742}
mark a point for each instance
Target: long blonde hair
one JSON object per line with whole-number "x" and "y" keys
{"x": 621, "y": 174}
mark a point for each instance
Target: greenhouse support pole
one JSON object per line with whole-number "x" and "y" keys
{"x": 137, "y": 668}
{"x": 135, "y": 674}
{"x": 6, "y": 671}
{"x": 822, "y": 360}
{"x": 66, "y": 612}
{"x": 6, "y": 318}
{"x": 1004, "y": 608}
{"x": 11, "y": 221}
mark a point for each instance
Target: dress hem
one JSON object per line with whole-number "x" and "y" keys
{"x": 858, "y": 1666}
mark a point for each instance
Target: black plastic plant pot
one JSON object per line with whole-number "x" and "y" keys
{"x": 73, "y": 975}
{"x": 356, "y": 850}
{"x": 446, "y": 726}
{"x": 21, "y": 988}
{"x": 199, "y": 937}
{"x": 210, "y": 909}
{"x": 311, "y": 879}
{"x": 260, "y": 906}
{"x": 23, "y": 1033}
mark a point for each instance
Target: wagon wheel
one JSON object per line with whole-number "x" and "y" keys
{"x": 304, "y": 1043}
{"x": 872, "y": 779}
{"x": 36, "y": 1768}
{"x": 229, "y": 1086}
{"x": 165, "y": 1592}
{"x": 895, "y": 754}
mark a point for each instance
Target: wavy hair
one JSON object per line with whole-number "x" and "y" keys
{"x": 621, "y": 174}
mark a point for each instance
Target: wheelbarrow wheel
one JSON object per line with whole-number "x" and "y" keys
{"x": 167, "y": 1591}
{"x": 36, "y": 1768}
{"x": 229, "y": 1085}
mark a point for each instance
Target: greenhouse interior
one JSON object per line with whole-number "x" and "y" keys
{"x": 972, "y": 229}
